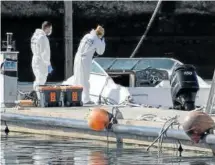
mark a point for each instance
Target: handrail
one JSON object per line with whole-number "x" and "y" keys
{"x": 210, "y": 108}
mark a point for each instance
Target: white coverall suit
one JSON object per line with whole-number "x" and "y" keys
{"x": 41, "y": 57}
{"x": 89, "y": 44}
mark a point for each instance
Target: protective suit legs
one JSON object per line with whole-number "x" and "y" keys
{"x": 86, "y": 92}
{"x": 40, "y": 78}
{"x": 82, "y": 68}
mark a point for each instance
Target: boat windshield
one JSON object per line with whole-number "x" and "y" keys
{"x": 135, "y": 63}
{"x": 124, "y": 64}
{"x": 97, "y": 69}
{"x": 105, "y": 63}
{"x": 158, "y": 63}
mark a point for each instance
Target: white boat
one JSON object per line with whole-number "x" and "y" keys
{"x": 119, "y": 78}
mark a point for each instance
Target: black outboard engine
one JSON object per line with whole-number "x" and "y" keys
{"x": 184, "y": 87}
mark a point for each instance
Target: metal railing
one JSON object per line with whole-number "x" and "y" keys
{"x": 210, "y": 108}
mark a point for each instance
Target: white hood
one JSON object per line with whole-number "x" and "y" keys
{"x": 93, "y": 32}
{"x": 39, "y": 32}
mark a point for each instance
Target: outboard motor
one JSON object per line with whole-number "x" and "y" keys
{"x": 184, "y": 87}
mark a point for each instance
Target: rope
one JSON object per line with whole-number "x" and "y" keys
{"x": 153, "y": 117}
{"x": 110, "y": 101}
{"x": 169, "y": 123}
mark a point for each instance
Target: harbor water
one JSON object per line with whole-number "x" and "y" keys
{"x": 27, "y": 149}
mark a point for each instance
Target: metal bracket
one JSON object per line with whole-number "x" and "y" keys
{"x": 6, "y": 130}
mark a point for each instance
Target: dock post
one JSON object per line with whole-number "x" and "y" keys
{"x": 68, "y": 37}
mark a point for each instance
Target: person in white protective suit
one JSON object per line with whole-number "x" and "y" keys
{"x": 40, "y": 48}
{"x": 90, "y": 43}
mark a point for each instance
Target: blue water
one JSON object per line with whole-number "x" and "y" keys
{"x": 27, "y": 149}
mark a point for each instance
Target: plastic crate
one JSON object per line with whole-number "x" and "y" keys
{"x": 50, "y": 96}
{"x": 72, "y": 95}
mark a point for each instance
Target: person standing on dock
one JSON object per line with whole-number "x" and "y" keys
{"x": 90, "y": 43}
{"x": 40, "y": 48}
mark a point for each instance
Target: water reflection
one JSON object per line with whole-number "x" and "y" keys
{"x": 27, "y": 149}
{"x": 198, "y": 163}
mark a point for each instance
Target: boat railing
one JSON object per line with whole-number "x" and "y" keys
{"x": 210, "y": 108}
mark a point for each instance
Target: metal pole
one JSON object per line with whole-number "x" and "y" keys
{"x": 147, "y": 29}
{"x": 68, "y": 27}
{"x": 210, "y": 107}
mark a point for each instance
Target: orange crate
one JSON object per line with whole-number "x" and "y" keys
{"x": 72, "y": 95}
{"x": 50, "y": 96}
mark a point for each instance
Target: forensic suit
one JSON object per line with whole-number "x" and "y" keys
{"x": 89, "y": 44}
{"x": 41, "y": 57}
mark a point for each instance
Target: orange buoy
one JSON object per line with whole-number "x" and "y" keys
{"x": 98, "y": 119}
